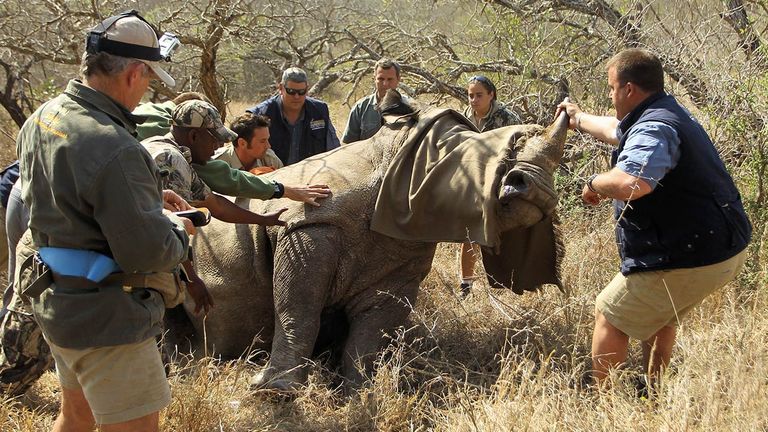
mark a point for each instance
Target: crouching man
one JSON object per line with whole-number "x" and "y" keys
{"x": 681, "y": 228}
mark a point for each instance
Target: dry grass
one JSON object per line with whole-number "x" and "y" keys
{"x": 495, "y": 361}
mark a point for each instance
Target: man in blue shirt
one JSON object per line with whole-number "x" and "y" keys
{"x": 685, "y": 233}
{"x": 300, "y": 126}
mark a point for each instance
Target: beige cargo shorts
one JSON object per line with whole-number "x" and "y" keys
{"x": 643, "y": 303}
{"x": 120, "y": 383}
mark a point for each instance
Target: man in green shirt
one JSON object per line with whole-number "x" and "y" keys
{"x": 364, "y": 118}
{"x": 196, "y": 132}
{"x": 222, "y": 174}
{"x": 93, "y": 192}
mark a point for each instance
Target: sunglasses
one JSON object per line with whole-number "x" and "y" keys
{"x": 480, "y": 78}
{"x": 293, "y": 91}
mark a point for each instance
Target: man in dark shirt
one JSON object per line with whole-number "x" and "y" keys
{"x": 300, "y": 126}
{"x": 681, "y": 227}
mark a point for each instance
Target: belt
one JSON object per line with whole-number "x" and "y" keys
{"x": 169, "y": 284}
{"x": 127, "y": 280}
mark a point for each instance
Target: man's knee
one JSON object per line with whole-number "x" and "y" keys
{"x": 75, "y": 412}
{"x": 148, "y": 423}
{"x": 606, "y": 335}
{"x": 601, "y": 322}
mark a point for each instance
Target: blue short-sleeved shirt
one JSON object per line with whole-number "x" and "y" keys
{"x": 652, "y": 149}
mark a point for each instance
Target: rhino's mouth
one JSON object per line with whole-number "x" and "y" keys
{"x": 526, "y": 195}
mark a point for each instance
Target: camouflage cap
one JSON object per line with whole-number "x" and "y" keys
{"x": 201, "y": 114}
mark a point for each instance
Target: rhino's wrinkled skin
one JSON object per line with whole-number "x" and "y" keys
{"x": 271, "y": 285}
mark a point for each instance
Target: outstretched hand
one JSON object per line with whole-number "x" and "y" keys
{"x": 572, "y": 110}
{"x": 589, "y": 197}
{"x": 307, "y": 194}
{"x": 273, "y": 218}
{"x": 200, "y": 295}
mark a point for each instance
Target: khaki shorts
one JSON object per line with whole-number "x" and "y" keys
{"x": 120, "y": 383}
{"x": 643, "y": 303}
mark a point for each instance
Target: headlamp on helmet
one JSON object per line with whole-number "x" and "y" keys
{"x": 168, "y": 44}
{"x": 97, "y": 41}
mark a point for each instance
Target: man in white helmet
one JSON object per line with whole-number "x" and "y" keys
{"x": 99, "y": 245}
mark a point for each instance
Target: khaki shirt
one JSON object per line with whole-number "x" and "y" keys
{"x": 90, "y": 185}
{"x": 175, "y": 163}
{"x": 228, "y": 155}
{"x": 364, "y": 120}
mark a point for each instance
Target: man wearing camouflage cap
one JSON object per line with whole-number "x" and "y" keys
{"x": 199, "y": 174}
{"x": 93, "y": 194}
{"x": 196, "y": 132}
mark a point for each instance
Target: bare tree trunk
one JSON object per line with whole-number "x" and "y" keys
{"x": 10, "y": 96}
{"x": 209, "y": 81}
{"x": 210, "y": 48}
{"x": 736, "y": 15}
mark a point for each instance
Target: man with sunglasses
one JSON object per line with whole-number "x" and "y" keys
{"x": 681, "y": 227}
{"x": 300, "y": 126}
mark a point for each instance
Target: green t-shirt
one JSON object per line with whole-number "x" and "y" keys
{"x": 222, "y": 178}
{"x": 158, "y": 119}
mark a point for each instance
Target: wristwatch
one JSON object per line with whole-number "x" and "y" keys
{"x": 279, "y": 191}
{"x": 589, "y": 183}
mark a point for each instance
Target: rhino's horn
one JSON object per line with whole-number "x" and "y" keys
{"x": 556, "y": 134}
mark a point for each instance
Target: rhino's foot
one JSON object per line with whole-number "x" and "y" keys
{"x": 265, "y": 380}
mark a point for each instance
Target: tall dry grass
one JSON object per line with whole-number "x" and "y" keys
{"x": 493, "y": 362}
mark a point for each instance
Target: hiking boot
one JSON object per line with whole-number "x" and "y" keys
{"x": 464, "y": 289}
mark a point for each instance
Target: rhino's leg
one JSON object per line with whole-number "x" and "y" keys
{"x": 369, "y": 329}
{"x": 305, "y": 264}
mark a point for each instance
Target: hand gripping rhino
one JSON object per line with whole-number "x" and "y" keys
{"x": 428, "y": 176}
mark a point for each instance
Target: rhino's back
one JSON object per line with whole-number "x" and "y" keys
{"x": 236, "y": 260}
{"x": 353, "y": 172}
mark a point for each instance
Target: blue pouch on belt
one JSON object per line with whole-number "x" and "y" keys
{"x": 79, "y": 263}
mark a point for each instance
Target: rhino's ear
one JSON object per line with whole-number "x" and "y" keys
{"x": 393, "y": 103}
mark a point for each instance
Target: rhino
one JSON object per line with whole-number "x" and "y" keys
{"x": 427, "y": 176}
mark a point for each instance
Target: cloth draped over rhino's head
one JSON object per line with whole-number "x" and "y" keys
{"x": 531, "y": 249}
{"x": 450, "y": 183}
